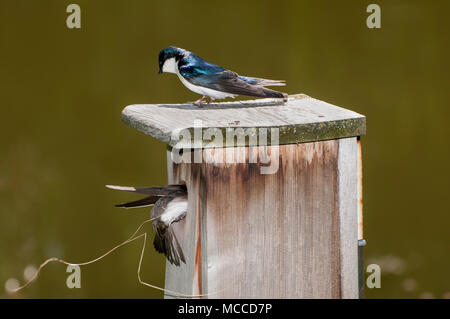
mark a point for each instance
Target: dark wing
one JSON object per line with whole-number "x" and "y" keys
{"x": 143, "y": 202}
{"x": 262, "y": 82}
{"x": 166, "y": 242}
{"x": 229, "y": 82}
{"x": 154, "y": 191}
{"x": 202, "y": 73}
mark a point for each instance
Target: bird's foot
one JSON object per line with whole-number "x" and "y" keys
{"x": 200, "y": 102}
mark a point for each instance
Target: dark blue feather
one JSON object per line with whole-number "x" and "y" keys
{"x": 193, "y": 65}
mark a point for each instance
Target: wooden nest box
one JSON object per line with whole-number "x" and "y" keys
{"x": 275, "y": 196}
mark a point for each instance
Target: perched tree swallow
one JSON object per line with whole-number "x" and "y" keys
{"x": 211, "y": 80}
{"x": 170, "y": 206}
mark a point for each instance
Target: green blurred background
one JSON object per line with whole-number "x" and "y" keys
{"x": 61, "y": 136}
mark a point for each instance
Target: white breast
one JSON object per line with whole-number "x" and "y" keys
{"x": 171, "y": 66}
{"x": 174, "y": 209}
{"x": 202, "y": 90}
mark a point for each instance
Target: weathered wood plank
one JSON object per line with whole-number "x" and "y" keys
{"x": 186, "y": 231}
{"x": 360, "y": 192}
{"x": 301, "y": 119}
{"x": 264, "y": 236}
{"x": 348, "y": 216}
{"x": 291, "y": 233}
{"x": 189, "y": 278}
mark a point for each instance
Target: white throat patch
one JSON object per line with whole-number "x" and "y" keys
{"x": 170, "y": 66}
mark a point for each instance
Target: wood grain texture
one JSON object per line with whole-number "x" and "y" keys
{"x": 187, "y": 279}
{"x": 290, "y": 234}
{"x": 249, "y": 235}
{"x": 301, "y": 119}
{"x": 348, "y": 215}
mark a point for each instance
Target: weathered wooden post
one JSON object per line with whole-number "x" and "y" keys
{"x": 287, "y": 228}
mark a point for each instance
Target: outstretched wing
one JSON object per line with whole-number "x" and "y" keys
{"x": 143, "y": 202}
{"x": 154, "y": 191}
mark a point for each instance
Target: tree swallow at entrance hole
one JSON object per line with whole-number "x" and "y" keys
{"x": 170, "y": 206}
{"x": 211, "y": 80}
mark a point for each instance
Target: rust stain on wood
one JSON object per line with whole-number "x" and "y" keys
{"x": 253, "y": 218}
{"x": 197, "y": 277}
{"x": 267, "y": 235}
{"x": 335, "y": 236}
{"x": 198, "y": 253}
